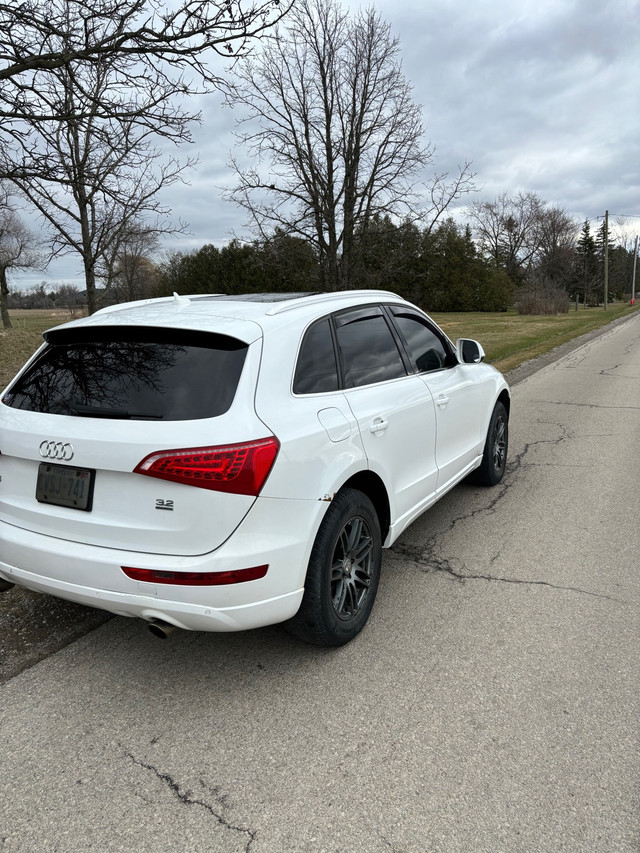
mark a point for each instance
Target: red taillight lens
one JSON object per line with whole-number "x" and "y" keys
{"x": 196, "y": 578}
{"x": 238, "y": 468}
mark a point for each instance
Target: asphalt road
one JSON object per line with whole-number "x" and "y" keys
{"x": 490, "y": 705}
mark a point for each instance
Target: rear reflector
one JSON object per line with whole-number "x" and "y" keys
{"x": 196, "y": 578}
{"x": 237, "y": 468}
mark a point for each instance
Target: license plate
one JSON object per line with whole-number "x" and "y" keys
{"x": 62, "y": 485}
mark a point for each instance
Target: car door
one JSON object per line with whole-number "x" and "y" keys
{"x": 456, "y": 393}
{"x": 393, "y": 407}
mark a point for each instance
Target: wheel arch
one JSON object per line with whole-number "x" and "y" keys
{"x": 373, "y": 487}
{"x": 505, "y": 399}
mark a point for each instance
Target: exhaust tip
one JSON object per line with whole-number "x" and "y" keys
{"x": 161, "y": 629}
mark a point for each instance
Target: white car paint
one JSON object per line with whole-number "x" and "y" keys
{"x": 419, "y": 435}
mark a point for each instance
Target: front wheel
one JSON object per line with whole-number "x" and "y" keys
{"x": 343, "y": 574}
{"x": 494, "y": 458}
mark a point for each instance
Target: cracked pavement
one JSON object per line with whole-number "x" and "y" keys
{"x": 490, "y": 705}
{"x": 188, "y": 798}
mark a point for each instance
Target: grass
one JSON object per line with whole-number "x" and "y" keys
{"x": 20, "y": 342}
{"x": 509, "y": 339}
{"x": 37, "y": 320}
{"x": 17, "y": 344}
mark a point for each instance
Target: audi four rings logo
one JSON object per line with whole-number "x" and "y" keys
{"x": 56, "y": 450}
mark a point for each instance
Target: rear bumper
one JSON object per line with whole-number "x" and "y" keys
{"x": 277, "y": 532}
{"x": 191, "y": 617}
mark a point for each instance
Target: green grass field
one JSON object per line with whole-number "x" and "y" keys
{"x": 508, "y": 338}
{"x": 18, "y": 343}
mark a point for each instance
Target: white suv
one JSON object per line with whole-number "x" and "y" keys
{"x": 219, "y": 463}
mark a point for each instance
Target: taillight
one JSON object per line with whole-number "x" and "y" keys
{"x": 238, "y": 468}
{"x": 196, "y": 578}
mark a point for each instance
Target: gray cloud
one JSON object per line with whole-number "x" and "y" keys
{"x": 541, "y": 95}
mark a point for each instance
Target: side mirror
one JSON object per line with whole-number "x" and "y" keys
{"x": 469, "y": 352}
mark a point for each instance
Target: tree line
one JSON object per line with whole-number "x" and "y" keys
{"x": 511, "y": 250}
{"x": 542, "y": 263}
{"x": 440, "y": 269}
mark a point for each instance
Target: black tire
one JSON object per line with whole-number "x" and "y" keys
{"x": 343, "y": 573}
{"x": 494, "y": 458}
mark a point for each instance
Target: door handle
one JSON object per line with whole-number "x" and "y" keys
{"x": 378, "y": 425}
{"x": 442, "y": 401}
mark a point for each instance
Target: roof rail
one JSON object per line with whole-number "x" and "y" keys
{"x": 314, "y": 298}
{"x": 136, "y": 303}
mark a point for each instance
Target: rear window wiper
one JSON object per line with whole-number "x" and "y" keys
{"x": 83, "y": 411}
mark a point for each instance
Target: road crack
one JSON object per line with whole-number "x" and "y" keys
{"x": 608, "y": 371}
{"x": 518, "y": 461}
{"x": 429, "y": 563}
{"x": 187, "y": 797}
{"x": 389, "y": 845}
{"x": 498, "y": 492}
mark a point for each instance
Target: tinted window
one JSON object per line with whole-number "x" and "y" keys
{"x": 316, "y": 370}
{"x": 132, "y": 373}
{"x": 426, "y": 348}
{"x": 367, "y": 348}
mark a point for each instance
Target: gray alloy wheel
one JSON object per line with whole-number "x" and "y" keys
{"x": 343, "y": 574}
{"x": 351, "y": 568}
{"x": 494, "y": 459}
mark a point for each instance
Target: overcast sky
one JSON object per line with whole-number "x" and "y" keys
{"x": 541, "y": 96}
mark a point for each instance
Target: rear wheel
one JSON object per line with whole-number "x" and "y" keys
{"x": 343, "y": 574}
{"x": 494, "y": 458}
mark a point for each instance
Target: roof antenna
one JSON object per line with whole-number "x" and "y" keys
{"x": 180, "y": 301}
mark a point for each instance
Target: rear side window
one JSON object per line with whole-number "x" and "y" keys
{"x": 367, "y": 348}
{"x": 316, "y": 371}
{"x": 132, "y": 373}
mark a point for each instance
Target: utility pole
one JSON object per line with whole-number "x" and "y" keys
{"x": 606, "y": 258}
{"x": 633, "y": 280}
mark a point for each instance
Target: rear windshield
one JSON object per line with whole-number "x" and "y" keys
{"x": 131, "y": 373}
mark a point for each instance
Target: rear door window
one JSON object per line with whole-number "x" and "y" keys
{"x": 132, "y": 373}
{"x": 368, "y": 349}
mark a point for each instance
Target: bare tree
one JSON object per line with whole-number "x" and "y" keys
{"x": 557, "y": 235}
{"x": 92, "y": 176}
{"x": 507, "y": 230}
{"x": 527, "y": 238}
{"x": 38, "y": 37}
{"x": 85, "y": 86}
{"x": 17, "y": 250}
{"x": 68, "y": 296}
{"x": 334, "y": 132}
{"x": 129, "y": 273}
{"x": 442, "y": 191}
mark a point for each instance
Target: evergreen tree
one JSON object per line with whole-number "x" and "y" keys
{"x": 603, "y": 232}
{"x": 289, "y": 264}
{"x": 586, "y": 267}
{"x": 456, "y": 277}
{"x": 384, "y": 256}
